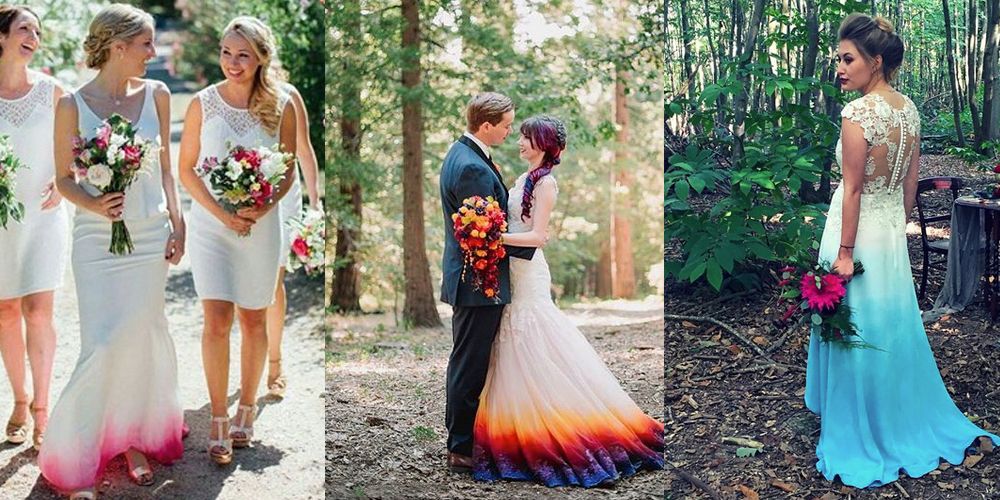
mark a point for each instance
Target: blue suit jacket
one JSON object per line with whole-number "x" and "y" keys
{"x": 467, "y": 171}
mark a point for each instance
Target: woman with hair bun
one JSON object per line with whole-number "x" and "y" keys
{"x": 122, "y": 395}
{"x": 34, "y": 249}
{"x": 236, "y": 273}
{"x": 551, "y": 411}
{"x": 886, "y": 410}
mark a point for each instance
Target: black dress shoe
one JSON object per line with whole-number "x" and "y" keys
{"x": 460, "y": 464}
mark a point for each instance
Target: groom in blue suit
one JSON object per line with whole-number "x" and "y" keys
{"x": 469, "y": 170}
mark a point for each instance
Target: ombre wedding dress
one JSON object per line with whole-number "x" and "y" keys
{"x": 551, "y": 411}
{"x": 883, "y": 411}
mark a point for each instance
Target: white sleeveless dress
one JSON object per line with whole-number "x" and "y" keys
{"x": 123, "y": 391}
{"x": 32, "y": 251}
{"x": 238, "y": 269}
{"x": 291, "y": 203}
{"x": 551, "y": 411}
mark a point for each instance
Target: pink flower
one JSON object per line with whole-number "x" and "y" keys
{"x": 824, "y": 295}
{"x": 103, "y": 136}
{"x": 248, "y": 155}
{"x": 996, "y": 169}
{"x": 300, "y": 248}
{"x": 133, "y": 154}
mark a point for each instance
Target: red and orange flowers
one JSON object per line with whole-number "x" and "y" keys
{"x": 478, "y": 226}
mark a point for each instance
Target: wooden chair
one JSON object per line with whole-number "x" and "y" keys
{"x": 937, "y": 247}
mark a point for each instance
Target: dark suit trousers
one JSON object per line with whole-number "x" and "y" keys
{"x": 472, "y": 330}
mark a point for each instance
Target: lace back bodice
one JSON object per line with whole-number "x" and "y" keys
{"x": 891, "y": 129}
{"x": 514, "y": 210}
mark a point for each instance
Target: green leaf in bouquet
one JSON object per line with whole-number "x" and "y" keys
{"x": 816, "y": 319}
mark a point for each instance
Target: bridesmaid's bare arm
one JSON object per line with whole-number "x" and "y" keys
{"x": 304, "y": 150}
{"x": 108, "y": 204}
{"x": 175, "y": 245}
{"x": 51, "y": 195}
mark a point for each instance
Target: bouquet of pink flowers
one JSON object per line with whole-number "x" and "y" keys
{"x": 246, "y": 177}
{"x": 815, "y": 295}
{"x": 111, "y": 161}
{"x": 308, "y": 242}
{"x": 10, "y": 207}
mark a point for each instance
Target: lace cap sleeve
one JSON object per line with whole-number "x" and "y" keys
{"x": 867, "y": 113}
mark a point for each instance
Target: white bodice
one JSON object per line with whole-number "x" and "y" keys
{"x": 530, "y": 280}
{"x": 28, "y": 121}
{"x": 224, "y": 126}
{"x": 145, "y": 197}
{"x": 514, "y": 210}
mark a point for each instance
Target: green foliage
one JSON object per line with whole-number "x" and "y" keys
{"x": 69, "y": 19}
{"x": 298, "y": 28}
{"x": 469, "y": 47}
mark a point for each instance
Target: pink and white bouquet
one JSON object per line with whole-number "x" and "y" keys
{"x": 815, "y": 295}
{"x": 308, "y": 242}
{"x": 10, "y": 207}
{"x": 246, "y": 177}
{"x": 111, "y": 161}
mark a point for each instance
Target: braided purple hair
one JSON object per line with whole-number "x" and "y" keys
{"x": 547, "y": 134}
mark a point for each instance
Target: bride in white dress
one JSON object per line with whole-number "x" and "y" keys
{"x": 234, "y": 273}
{"x": 551, "y": 411}
{"x": 33, "y": 250}
{"x": 122, "y": 395}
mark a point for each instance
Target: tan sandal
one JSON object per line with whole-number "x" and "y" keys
{"x": 17, "y": 433}
{"x": 87, "y": 494}
{"x": 220, "y": 450}
{"x": 276, "y": 386}
{"x": 139, "y": 469}
{"x": 241, "y": 433}
{"x": 38, "y": 433}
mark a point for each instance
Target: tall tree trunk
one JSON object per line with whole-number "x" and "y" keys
{"x": 991, "y": 101}
{"x": 419, "y": 307}
{"x": 622, "y": 261}
{"x": 345, "y": 292}
{"x": 972, "y": 57}
{"x": 956, "y": 104}
{"x": 742, "y": 98}
{"x": 687, "y": 37}
{"x": 806, "y": 191}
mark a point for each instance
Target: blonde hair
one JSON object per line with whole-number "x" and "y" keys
{"x": 486, "y": 107}
{"x": 117, "y": 21}
{"x": 264, "y": 95}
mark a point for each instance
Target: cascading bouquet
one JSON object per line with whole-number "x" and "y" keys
{"x": 477, "y": 228}
{"x": 815, "y": 295}
{"x": 10, "y": 207}
{"x": 308, "y": 242}
{"x": 111, "y": 161}
{"x": 246, "y": 177}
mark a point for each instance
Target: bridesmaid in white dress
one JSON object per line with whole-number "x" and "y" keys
{"x": 234, "y": 273}
{"x": 122, "y": 395}
{"x": 33, "y": 250}
{"x": 291, "y": 206}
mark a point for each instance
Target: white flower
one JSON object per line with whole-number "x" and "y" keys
{"x": 117, "y": 140}
{"x": 115, "y": 154}
{"x": 99, "y": 175}
{"x": 233, "y": 169}
{"x": 272, "y": 164}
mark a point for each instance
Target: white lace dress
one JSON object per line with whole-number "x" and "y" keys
{"x": 226, "y": 266}
{"x": 32, "y": 251}
{"x": 551, "y": 411}
{"x": 887, "y": 410}
{"x": 123, "y": 390}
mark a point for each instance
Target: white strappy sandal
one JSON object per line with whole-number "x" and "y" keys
{"x": 220, "y": 450}
{"x": 241, "y": 433}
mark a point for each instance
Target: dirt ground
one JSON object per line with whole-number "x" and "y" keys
{"x": 385, "y": 404}
{"x": 717, "y": 387}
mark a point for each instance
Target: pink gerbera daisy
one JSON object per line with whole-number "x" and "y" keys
{"x": 822, "y": 293}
